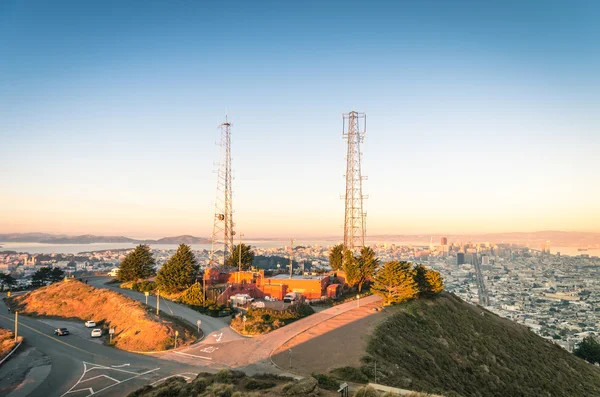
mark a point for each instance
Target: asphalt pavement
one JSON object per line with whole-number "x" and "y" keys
{"x": 213, "y": 328}
{"x": 81, "y": 368}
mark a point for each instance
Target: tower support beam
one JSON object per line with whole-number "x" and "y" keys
{"x": 354, "y": 129}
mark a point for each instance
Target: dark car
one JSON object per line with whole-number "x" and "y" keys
{"x": 61, "y": 331}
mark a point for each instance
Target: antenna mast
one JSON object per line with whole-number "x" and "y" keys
{"x": 223, "y": 223}
{"x": 354, "y": 220}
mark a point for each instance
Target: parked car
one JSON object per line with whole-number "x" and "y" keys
{"x": 290, "y": 297}
{"x": 61, "y": 332}
{"x": 90, "y": 324}
{"x": 96, "y": 333}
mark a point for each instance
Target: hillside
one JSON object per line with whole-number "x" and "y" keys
{"x": 7, "y": 342}
{"x": 447, "y": 346}
{"x": 136, "y": 328}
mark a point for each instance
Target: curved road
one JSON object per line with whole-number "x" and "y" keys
{"x": 80, "y": 367}
{"x": 213, "y": 328}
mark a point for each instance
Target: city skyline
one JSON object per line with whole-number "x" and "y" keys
{"x": 482, "y": 118}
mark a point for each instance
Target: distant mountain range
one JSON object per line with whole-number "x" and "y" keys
{"x": 91, "y": 239}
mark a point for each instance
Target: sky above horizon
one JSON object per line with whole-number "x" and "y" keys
{"x": 482, "y": 116}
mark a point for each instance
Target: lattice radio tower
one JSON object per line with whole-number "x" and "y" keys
{"x": 222, "y": 236}
{"x": 354, "y": 220}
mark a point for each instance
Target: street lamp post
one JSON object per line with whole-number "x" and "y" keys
{"x": 358, "y": 300}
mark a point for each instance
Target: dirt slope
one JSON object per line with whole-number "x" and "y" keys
{"x": 136, "y": 328}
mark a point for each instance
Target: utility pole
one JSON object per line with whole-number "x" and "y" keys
{"x": 240, "y": 256}
{"x": 157, "y": 301}
{"x": 291, "y": 256}
{"x": 354, "y": 218}
{"x": 223, "y": 222}
{"x": 16, "y": 325}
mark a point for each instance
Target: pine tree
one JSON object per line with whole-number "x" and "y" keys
{"x": 193, "y": 295}
{"x": 435, "y": 281}
{"x": 138, "y": 264}
{"x": 423, "y": 285}
{"x": 179, "y": 272}
{"x": 367, "y": 264}
{"x": 395, "y": 282}
{"x": 247, "y": 257}
{"x": 336, "y": 257}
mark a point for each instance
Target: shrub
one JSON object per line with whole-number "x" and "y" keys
{"x": 224, "y": 376}
{"x": 326, "y": 382}
{"x": 253, "y": 384}
{"x": 144, "y": 286}
{"x": 268, "y": 376}
{"x": 350, "y": 374}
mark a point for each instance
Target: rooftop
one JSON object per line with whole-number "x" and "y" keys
{"x": 297, "y": 277}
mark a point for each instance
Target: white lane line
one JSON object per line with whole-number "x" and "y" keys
{"x": 123, "y": 381}
{"x": 187, "y": 378}
{"x": 120, "y": 366}
{"x": 101, "y": 376}
{"x": 193, "y": 355}
{"x": 89, "y": 388}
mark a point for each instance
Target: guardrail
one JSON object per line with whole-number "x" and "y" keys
{"x": 10, "y": 353}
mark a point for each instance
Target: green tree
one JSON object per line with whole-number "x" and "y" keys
{"x": 435, "y": 281}
{"x": 423, "y": 285}
{"x": 336, "y": 257}
{"x": 138, "y": 264}
{"x": 193, "y": 296}
{"x": 588, "y": 349}
{"x": 41, "y": 277}
{"x": 56, "y": 274}
{"x": 179, "y": 272}
{"x": 395, "y": 282}
{"x": 6, "y": 280}
{"x": 367, "y": 264}
{"x": 351, "y": 268}
{"x": 247, "y": 257}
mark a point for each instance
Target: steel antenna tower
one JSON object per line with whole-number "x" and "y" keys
{"x": 354, "y": 220}
{"x": 222, "y": 235}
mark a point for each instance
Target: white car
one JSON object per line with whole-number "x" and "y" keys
{"x": 96, "y": 333}
{"x": 90, "y": 324}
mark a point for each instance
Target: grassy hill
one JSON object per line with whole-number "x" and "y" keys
{"x": 446, "y": 346}
{"x": 136, "y": 327}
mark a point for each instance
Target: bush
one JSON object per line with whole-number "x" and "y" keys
{"x": 144, "y": 286}
{"x": 350, "y": 374}
{"x": 326, "y": 382}
{"x": 268, "y": 376}
{"x": 262, "y": 321}
{"x": 365, "y": 391}
{"x": 253, "y": 384}
{"x": 224, "y": 376}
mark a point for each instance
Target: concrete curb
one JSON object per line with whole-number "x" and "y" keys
{"x": 11, "y": 352}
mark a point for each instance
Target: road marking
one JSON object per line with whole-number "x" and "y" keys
{"x": 187, "y": 378}
{"x": 101, "y": 376}
{"x": 97, "y": 366}
{"x": 120, "y": 366}
{"x": 219, "y": 336}
{"x": 193, "y": 355}
{"x": 46, "y": 335}
{"x": 210, "y": 349}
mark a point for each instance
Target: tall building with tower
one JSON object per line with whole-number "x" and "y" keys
{"x": 444, "y": 241}
{"x": 354, "y": 217}
{"x": 222, "y": 236}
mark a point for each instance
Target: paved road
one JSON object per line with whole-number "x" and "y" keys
{"x": 81, "y": 368}
{"x": 213, "y": 328}
{"x": 253, "y": 354}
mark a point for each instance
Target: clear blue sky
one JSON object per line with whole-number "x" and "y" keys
{"x": 483, "y": 115}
